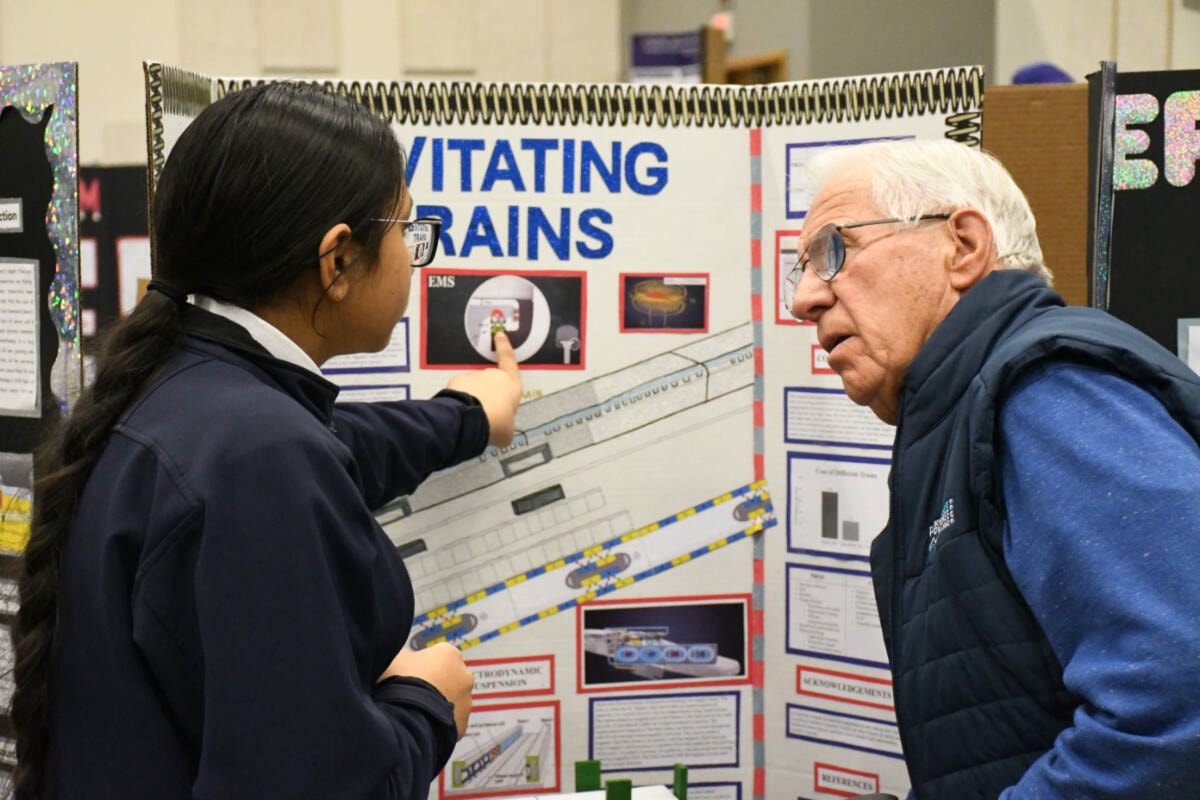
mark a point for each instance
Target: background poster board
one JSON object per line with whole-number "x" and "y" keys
{"x": 40, "y": 345}
{"x": 1145, "y": 143}
{"x": 829, "y": 714}
{"x": 626, "y": 521}
{"x": 666, "y": 57}
{"x": 114, "y": 243}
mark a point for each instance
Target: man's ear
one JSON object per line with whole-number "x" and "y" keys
{"x": 973, "y": 248}
{"x": 338, "y": 251}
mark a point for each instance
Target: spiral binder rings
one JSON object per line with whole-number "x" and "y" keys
{"x": 956, "y": 93}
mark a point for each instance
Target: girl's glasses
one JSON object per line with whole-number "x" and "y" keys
{"x": 421, "y": 237}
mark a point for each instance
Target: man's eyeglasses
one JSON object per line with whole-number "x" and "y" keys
{"x": 421, "y": 236}
{"x": 826, "y": 251}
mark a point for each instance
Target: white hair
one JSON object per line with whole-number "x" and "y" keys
{"x": 914, "y": 177}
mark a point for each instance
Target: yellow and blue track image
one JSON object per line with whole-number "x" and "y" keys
{"x": 563, "y": 584}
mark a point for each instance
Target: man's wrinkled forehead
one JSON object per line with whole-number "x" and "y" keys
{"x": 846, "y": 193}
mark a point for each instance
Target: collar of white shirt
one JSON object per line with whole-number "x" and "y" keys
{"x": 263, "y": 332}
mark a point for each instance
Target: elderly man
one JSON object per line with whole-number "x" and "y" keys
{"x": 1037, "y": 580}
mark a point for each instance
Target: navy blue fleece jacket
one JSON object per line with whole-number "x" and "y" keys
{"x": 228, "y": 600}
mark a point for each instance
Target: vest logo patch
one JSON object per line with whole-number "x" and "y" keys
{"x": 941, "y": 523}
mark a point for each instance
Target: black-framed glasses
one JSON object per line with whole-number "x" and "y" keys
{"x": 826, "y": 251}
{"x": 421, "y": 236}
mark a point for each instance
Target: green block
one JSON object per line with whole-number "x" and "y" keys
{"x": 619, "y": 789}
{"x": 587, "y": 776}
{"x": 679, "y": 787}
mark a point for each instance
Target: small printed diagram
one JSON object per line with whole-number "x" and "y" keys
{"x": 16, "y": 474}
{"x": 648, "y": 653}
{"x": 542, "y": 313}
{"x": 787, "y": 255}
{"x": 836, "y": 503}
{"x": 452, "y": 629}
{"x": 756, "y": 505}
{"x": 656, "y": 303}
{"x": 599, "y": 568}
{"x": 506, "y": 750}
{"x": 670, "y": 640}
{"x": 799, "y": 189}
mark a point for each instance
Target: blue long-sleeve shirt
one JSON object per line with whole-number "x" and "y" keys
{"x": 1102, "y": 490}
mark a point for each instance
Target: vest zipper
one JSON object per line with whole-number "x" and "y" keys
{"x": 897, "y": 582}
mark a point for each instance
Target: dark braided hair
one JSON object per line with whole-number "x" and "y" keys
{"x": 244, "y": 199}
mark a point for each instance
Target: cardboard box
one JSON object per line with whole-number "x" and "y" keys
{"x": 1040, "y": 133}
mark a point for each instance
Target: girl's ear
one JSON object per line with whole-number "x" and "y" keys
{"x": 338, "y": 250}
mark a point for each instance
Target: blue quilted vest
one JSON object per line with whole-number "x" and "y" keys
{"x": 979, "y": 693}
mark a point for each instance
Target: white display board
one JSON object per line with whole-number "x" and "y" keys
{"x": 668, "y": 563}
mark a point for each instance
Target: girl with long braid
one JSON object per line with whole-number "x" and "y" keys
{"x": 208, "y": 607}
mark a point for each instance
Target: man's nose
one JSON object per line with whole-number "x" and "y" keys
{"x": 811, "y": 296}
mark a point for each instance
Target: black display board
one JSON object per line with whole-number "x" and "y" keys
{"x": 1144, "y": 138}
{"x": 112, "y": 221}
{"x": 27, "y": 183}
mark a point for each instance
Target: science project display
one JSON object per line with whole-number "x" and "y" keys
{"x": 668, "y": 564}
{"x": 41, "y": 355}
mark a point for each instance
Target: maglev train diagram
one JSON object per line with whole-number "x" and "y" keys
{"x": 515, "y": 758}
{"x": 647, "y": 653}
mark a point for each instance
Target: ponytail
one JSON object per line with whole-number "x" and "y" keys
{"x": 133, "y": 352}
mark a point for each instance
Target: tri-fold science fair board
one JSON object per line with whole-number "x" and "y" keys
{"x": 653, "y": 554}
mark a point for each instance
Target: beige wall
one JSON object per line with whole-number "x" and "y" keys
{"x": 862, "y": 37}
{"x": 826, "y": 38}
{"x": 517, "y": 40}
{"x": 1078, "y": 34}
{"x": 558, "y": 40}
{"x": 758, "y": 25}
